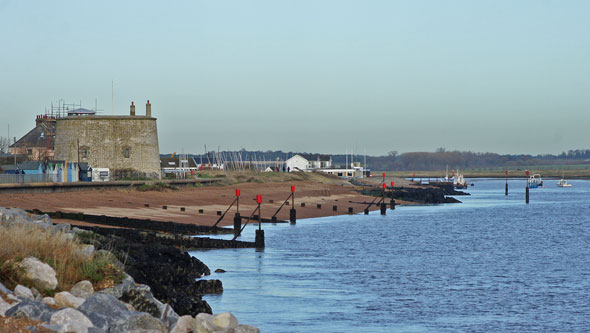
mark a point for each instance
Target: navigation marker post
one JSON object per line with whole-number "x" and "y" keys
{"x": 237, "y": 217}
{"x": 293, "y": 211}
{"x": 259, "y": 240}
{"x": 383, "y": 205}
{"x": 506, "y": 172}
{"x": 527, "y": 187}
{"x": 392, "y": 202}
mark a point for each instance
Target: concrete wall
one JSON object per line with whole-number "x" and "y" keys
{"x": 105, "y": 138}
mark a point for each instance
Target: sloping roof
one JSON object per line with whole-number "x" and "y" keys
{"x": 173, "y": 162}
{"x": 316, "y": 157}
{"x": 30, "y": 165}
{"x": 40, "y": 136}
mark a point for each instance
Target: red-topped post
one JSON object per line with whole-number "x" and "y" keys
{"x": 392, "y": 202}
{"x": 293, "y": 211}
{"x": 259, "y": 240}
{"x": 237, "y": 217}
{"x": 383, "y": 206}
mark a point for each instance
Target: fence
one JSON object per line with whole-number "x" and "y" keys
{"x": 26, "y": 179}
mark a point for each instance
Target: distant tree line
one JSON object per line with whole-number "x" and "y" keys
{"x": 429, "y": 161}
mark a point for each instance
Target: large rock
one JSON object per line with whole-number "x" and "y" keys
{"x": 183, "y": 325}
{"x": 41, "y": 275}
{"x": 83, "y": 289}
{"x": 104, "y": 310}
{"x": 31, "y": 309}
{"x": 86, "y": 252}
{"x": 225, "y": 320}
{"x": 142, "y": 299}
{"x": 121, "y": 288}
{"x": 66, "y": 300}
{"x": 204, "y": 324}
{"x": 49, "y": 301}
{"x": 71, "y": 320}
{"x": 138, "y": 322}
{"x": 246, "y": 329}
{"x": 23, "y": 292}
{"x": 4, "y": 306}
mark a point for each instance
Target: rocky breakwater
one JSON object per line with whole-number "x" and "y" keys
{"x": 421, "y": 195}
{"x": 35, "y": 291}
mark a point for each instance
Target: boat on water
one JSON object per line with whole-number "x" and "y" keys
{"x": 458, "y": 181}
{"x": 563, "y": 183}
{"x": 535, "y": 181}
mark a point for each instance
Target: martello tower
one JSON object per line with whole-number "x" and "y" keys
{"x": 120, "y": 143}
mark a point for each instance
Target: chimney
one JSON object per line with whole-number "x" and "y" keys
{"x": 148, "y": 109}
{"x": 132, "y": 109}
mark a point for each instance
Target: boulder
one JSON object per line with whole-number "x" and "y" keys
{"x": 246, "y": 329}
{"x": 41, "y": 275}
{"x": 61, "y": 227}
{"x": 220, "y": 270}
{"x": 49, "y": 301}
{"x": 204, "y": 324}
{"x": 121, "y": 288}
{"x": 104, "y": 310}
{"x": 210, "y": 286}
{"x": 45, "y": 219}
{"x": 82, "y": 289}
{"x": 31, "y": 309}
{"x": 71, "y": 320}
{"x": 4, "y": 306}
{"x": 183, "y": 325}
{"x": 142, "y": 299}
{"x": 139, "y": 322}
{"x": 23, "y": 292}
{"x": 225, "y": 320}
{"x": 66, "y": 300}
{"x": 37, "y": 294}
{"x": 86, "y": 251}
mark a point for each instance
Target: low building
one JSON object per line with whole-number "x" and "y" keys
{"x": 308, "y": 162}
{"x": 178, "y": 166}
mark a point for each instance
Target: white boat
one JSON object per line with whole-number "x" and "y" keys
{"x": 458, "y": 181}
{"x": 563, "y": 183}
{"x": 535, "y": 181}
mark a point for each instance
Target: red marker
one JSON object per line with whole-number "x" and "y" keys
{"x": 258, "y": 198}
{"x": 506, "y": 172}
{"x": 237, "y": 192}
{"x": 384, "y": 186}
{"x": 384, "y": 175}
{"x": 292, "y": 188}
{"x": 392, "y": 184}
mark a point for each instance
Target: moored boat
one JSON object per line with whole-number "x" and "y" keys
{"x": 563, "y": 183}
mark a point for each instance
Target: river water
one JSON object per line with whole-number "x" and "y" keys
{"x": 489, "y": 264}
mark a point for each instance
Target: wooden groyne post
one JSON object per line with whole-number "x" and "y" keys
{"x": 506, "y": 172}
{"x": 392, "y": 202}
{"x": 259, "y": 240}
{"x": 293, "y": 211}
{"x": 383, "y": 206}
{"x": 526, "y": 196}
{"x": 237, "y": 217}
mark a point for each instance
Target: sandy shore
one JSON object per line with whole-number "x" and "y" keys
{"x": 210, "y": 199}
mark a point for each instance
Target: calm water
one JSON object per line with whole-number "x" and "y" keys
{"x": 489, "y": 264}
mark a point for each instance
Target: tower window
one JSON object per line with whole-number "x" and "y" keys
{"x": 126, "y": 152}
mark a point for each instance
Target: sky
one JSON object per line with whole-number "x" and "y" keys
{"x": 324, "y": 76}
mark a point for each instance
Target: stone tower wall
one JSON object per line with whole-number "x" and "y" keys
{"x": 114, "y": 142}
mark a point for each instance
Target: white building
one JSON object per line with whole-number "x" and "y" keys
{"x": 308, "y": 162}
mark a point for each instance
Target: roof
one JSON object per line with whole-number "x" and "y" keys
{"x": 173, "y": 162}
{"x": 81, "y": 111}
{"x": 40, "y": 136}
{"x": 316, "y": 157}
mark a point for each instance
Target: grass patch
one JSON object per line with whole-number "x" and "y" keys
{"x": 57, "y": 249}
{"x": 159, "y": 187}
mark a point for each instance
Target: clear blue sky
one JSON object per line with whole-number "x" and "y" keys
{"x": 310, "y": 75}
